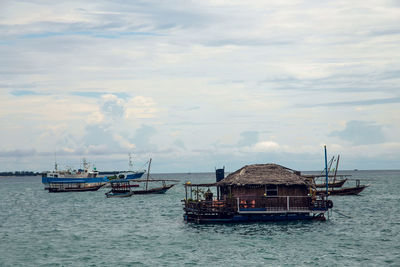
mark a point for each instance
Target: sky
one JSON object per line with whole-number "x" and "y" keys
{"x": 197, "y": 85}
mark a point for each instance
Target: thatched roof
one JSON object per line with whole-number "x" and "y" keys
{"x": 264, "y": 174}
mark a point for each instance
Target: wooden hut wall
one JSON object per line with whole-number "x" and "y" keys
{"x": 259, "y": 190}
{"x": 294, "y": 190}
{"x": 253, "y": 191}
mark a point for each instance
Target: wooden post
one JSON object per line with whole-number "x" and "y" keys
{"x": 287, "y": 203}
{"x": 186, "y": 196}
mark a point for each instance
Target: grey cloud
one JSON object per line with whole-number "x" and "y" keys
{"x": 18, "y": 153}
{"x": 99, "y": 136}
{"x": 248, "y": 138}
{"x": 378, "y": 101}
{"x": 142, "y": 138}
{"x": 113, "y": 108}
{"x": 360, "y": 133}
{"x": 179, "y": 143}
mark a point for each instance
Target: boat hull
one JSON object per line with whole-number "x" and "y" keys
{"x": 344, "y": 191}
{"x": 157, "y": 190}
{"x": 112, "y": 194}
{"x": 73, "y": 189}
{"x": 335, "y": 184}
{"x": 240, "y": 218}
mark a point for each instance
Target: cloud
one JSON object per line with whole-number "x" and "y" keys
{"x": 113, "y": 76}
{"x": 361, "y": 133}
{"x": 265, "y": 146}
{"x": 26, "y": 93}
{"x": 100, "y": 94}
{"x": 248, "y": 138}
{"x": 369, "y": 102}
{"x": 18, "y": 153}
{"x": 112, "y": 106}
{"x": 142, "y": 138}
{"x": 141, "y": 107}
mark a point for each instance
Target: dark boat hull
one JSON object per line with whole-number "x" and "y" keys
{"x": 157, "y": 190}
{"x": 344, "y": 191}
{"x": 73, "y": 189}
{"x": 335, "y": 184}
{"x": 110, "y": 194}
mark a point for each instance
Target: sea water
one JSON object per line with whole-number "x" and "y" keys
{"x": 38, "y": 228}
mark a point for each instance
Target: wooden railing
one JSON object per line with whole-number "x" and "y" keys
{"x": 256, "y": 204}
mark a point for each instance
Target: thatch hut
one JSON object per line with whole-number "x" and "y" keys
{"x": 260, "y": 180}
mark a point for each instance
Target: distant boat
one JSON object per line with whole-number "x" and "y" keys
{"x": 72, "y": 186}
{"x": 355, "y": 190}
{"x": 331, "y": 184}
{"x": 129, "y": 175}
{"x": 86, "y": 176}
{"x": 123, "y": 187}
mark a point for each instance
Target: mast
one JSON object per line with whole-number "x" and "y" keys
{"x": 55, "y": 162}
{"x": 148, "y": 174}
{"x": 337, "y": 164}
{"x": 330, "y": 164}
{"x": 130, "y": 162}
{"x": 326, "y": 172}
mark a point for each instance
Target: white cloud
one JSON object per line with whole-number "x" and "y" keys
{"x": 265, "y": 146}
{"x": 187, "y": 80}
{"x": 141, "y": 107}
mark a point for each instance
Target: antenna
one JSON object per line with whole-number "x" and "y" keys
{"x": 130, "y": 162}
{"x": 55, "y": 162}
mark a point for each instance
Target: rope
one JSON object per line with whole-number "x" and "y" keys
{"x": 342, "y": 214}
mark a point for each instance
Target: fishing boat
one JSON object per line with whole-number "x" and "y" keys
{"x": 130, "y": 174}
{"x": 121, "y": 188}
{"x": 71, "y": 186}
{"x": 124, "y": 188}
{"x": 331, "y": 184}
{"x": 355, "y": 190}
{"x": 86, "y": 177}
{"x": 334, "y": 180}
{"x": 154, "y": 190}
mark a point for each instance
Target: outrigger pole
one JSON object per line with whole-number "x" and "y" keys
{"x": 326, "y": 172}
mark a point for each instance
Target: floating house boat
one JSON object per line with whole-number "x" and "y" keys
{"x": 259, "y": 192}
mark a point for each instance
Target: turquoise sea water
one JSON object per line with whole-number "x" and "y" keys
{"x": 86, "y": 229}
